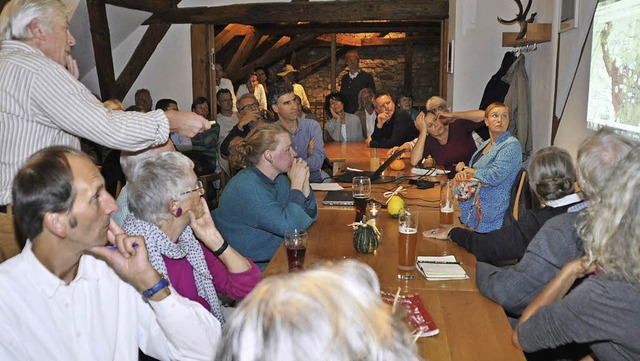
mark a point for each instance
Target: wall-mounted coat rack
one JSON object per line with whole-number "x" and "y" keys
{"x": 536, "y": 34}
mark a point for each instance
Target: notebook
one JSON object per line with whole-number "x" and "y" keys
{"x": 376, "y": 176}
{"x": 338, "y": 198}
{"x": 440, "y": 268}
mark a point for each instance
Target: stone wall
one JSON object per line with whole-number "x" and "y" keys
{"x": 386, "y": 63}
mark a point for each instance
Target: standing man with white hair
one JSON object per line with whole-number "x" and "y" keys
{"x": 42, "y": 103}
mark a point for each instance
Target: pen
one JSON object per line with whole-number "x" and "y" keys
{"x": 439, "y": 262}
{"x": 113, "y": 248}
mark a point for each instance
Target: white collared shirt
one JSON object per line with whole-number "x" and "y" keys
{"x": 371, "y": 121}
{"x": 95, "y": 317}
{"x": 571, "y": 198}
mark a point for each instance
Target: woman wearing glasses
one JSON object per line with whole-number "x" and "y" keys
{"x": 167, "y": 208}
{"x": 495, "y": 165}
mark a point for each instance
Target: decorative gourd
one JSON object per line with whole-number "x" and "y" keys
{"x": 397, "y": 164}
{"x": 365, "y": 239}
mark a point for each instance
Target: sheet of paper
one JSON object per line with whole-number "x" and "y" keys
{"x": 326, "y": 187}
{"x": 428, "y": 171}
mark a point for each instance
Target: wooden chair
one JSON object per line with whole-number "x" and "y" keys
{"x": 8, "y": 244}
{"x": 207, "y": 179}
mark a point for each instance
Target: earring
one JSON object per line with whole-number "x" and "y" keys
{"x": 179, "y": 212}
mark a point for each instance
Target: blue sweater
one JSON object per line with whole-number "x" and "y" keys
{"x": 496, "y": 170}
{"x": 254, "y": 212}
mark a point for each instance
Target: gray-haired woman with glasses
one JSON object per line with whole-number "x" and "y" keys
{"x": 167, "y": 208}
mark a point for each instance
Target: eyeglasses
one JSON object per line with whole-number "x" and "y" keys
{"x": 251, "y": 106}
{"x": 199, "y": 188}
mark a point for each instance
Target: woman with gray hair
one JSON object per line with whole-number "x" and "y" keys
{"x": 551, "y": 179}
{"x": 333, "y": 312}
{"x": 167, "y": 208}
{"x": 602, "y": 311}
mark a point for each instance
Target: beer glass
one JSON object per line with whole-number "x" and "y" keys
{"x": 361, "y": 188}
{"x": 407, "y": 238}
{"x": 295, "y": 241}
{"x": 446, "y": 203}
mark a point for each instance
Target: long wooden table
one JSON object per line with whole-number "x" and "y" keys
{"x": 471, "y": 326}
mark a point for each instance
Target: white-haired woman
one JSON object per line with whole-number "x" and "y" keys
{"x": 551, "y": 179}
{"x": 603, "y": 311}
{"x": 333, "y": 312}
{"x": 270, "y": 195}
{"x": 167, "y": 208}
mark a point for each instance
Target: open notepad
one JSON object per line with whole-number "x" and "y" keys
{"x": 439, "y": 268}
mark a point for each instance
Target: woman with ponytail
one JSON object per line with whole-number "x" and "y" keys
{"x": 270, "y": 194}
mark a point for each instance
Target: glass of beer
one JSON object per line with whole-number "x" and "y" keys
{"x": 361, "y": 188}
{"x": 374, "y": 160}
{"x": 407, "y": 238}
{"x": 295, "y": 241}
{"x": 446, "y": 203}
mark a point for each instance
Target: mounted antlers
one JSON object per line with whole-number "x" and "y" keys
{"x": 521, "y": 19}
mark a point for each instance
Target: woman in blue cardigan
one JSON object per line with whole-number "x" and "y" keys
{"x": 270, "y": 195}
{"x": 495, "y": 165}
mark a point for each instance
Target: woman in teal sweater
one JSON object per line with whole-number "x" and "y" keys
{"x": 270, "y": 195}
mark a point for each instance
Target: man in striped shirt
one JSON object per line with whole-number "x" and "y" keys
{"x": 42, "y": 103}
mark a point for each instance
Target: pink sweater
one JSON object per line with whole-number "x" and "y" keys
{"x": 234, "y": 285}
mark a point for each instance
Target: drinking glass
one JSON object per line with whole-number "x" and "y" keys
{"x": 361, "y": 188}
{"x": 446, "y": 203}
{"x": 374, "y": 160}
{"x": 295, "y": 241}
{"x": 407, "y": 238}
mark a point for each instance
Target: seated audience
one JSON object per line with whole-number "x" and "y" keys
{"x": 405, "y": 102}
{"x": 204, "y": 150}
{"x": 556, "y": 243}
{"x": 394, "y": 126}
{"x": 551, "y": 178}
{"x": 128, "y": 162}
{"x": 67, "y": 296}
{"x": 443, "y": 143}
{"x": 182, "y": 240}
{"x": 143, "y": 100}
{"x": 342, "y": 126}
{"x": 254, "y": 87}
{"x": 290, "y": 76}
{"x": 263, "y": 79}
{"x": 333, "y": 312}
{"x": 602, "y": 311}
{"x": 366, "y": 112}
{"x": 223, "y": 83}
{"x": 270, "y": 195}
{"x": 180, "y": 142}
{"x": 306, "y": 135}
{"x": 495, "y": 166}
{"x": 226, "y": 119}
{"x": 249, "y": 118}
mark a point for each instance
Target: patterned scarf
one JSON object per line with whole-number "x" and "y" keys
{"x": 158, "y": 245}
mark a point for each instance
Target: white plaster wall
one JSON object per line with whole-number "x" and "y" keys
{"x": 479, "y": 52}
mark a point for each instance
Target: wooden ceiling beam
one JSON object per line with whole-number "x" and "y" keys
{"x": 312, "y": 67}
{"x": 278, "y": 53}
{"x": 353, "y": 27}
{"x": 101, "y": 38}
{"x": 140, "y": 57}
{"x": 229, "y": 32}
{"x": 243, "y": 52}
{"x": 143, "y": 5}
{"x": 342, "y": 39}
{"x": 313, "y": 11}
